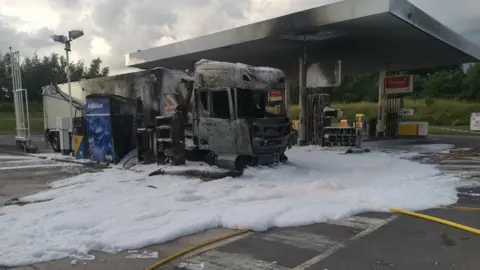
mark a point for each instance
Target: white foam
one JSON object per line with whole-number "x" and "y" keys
{"x": 118, "y": 209}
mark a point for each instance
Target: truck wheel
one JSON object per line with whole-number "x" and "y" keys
{"x": 253, "y": 162}
{"x": 209, "y": 159}
{"x": 161, "y": 158}
{"x": 55, "y": 142}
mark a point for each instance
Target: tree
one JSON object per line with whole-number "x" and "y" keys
{"x": 358, "y": 88}
{"x": 37, "y": 72}
{"x": 425, "y": 72}
{"x": 444, "y": 84}
{"x": 5, "y": 79}
{"x": 95, "y": 71}
{"x": 471, "y": 83}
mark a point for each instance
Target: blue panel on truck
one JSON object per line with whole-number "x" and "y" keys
{"x": 99, "y": 129}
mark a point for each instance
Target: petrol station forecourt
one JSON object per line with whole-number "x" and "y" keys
{"x": 120, "y": 209}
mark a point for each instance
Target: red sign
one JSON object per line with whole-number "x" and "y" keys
{"x": 274, "y": 95}
{"x": 399, "y": 84}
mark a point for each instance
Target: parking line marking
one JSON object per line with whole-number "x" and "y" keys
{"x": 217, "y": 260}
{"x": 16, "y": 158}
{"x": 37, "y": 166}
{"x": 216, "y": 245}
{"x": 357, "y": 222}
{"x": 299, "y": 239}
{"x": 339, "y": 246}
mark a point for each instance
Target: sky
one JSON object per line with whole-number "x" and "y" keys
{"x": 116, "y": 27}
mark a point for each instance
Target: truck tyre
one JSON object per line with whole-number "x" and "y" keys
{"x": 253, "y": 162}
{"x": 55, "y": 141}
{"x": 209, "y": 159}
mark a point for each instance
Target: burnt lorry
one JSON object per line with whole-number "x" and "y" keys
{"x": 220, "y": 116}
{"x": 216, "y": 113}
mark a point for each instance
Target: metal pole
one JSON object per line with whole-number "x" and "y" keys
{"x": 20, "y": 94}
{"x": 28, "y": 117}
{"x": 302, "y": 136}
{"x": 19, "y": 74}
{"x": 24, "y": 99}
{"x": 17, "y": 122}
{"x": 67, "y": 49}
{"x": 15, "y": 63}
{"x": 381, "y": 104}
{"x": 18, "y": 87}
{"x": 14, "y": 93}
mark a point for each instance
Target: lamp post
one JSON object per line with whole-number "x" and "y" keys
{"x": 72, "y": 35}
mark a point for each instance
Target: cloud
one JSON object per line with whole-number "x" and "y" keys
{"x": 116, "y": 27}
{"x": 22, "y": 40}
{"x": 100, "y": 47}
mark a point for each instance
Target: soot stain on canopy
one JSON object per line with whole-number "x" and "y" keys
{"x": 213, "y": 74}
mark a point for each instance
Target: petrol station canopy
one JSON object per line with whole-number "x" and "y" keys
{"x": 367, "y": 35}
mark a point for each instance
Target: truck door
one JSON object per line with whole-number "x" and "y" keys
{"x": 217, "y": 128}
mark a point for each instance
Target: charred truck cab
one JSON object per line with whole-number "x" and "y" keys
{"x": 217, "y": 114}
{"x": 230, "y": 118}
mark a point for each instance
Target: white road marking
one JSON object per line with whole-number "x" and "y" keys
{"x": 453, "y": 167}
{"x": 38, "y": 166}
{"x": 357, "y": 222}
{"x": 6, "y": 157}
{"x": 460, "y": 161}
{"x": 338, "y": 247}
{"x": 299, "y": 239}
{"x": 217, "y": 245}
{"x": 217, "y": 260}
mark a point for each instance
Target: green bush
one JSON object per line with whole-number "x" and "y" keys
{"x": 438, "y": 112}
{"x": 7, "y": 122}
{"x": 7, "y": 107}
{"x": 443, "y": 112}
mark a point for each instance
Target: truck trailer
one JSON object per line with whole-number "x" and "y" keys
{"x": 143, "y": 86}
{"x": 56, "y": 104}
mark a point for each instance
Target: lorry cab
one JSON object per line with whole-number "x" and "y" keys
{"x": 231, "y": 119}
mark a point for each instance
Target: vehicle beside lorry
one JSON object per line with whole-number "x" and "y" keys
{"x": 143, "y": 86}
{"x": 56, "y": 104}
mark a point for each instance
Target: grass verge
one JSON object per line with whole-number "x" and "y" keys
{"x": 451, "y": 130}
{"x": 7, "y": 122}
{"x": 435, "y": 112}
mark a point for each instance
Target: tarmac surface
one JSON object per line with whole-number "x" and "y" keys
{"x": 366, "y": 241}
{"x": 21, "y": 177}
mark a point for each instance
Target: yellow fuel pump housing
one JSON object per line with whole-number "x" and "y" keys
{"x": 359, "y": 120}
